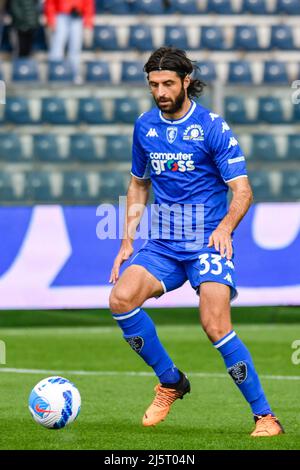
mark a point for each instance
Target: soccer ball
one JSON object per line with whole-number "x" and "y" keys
{"x": 54, "y": 402}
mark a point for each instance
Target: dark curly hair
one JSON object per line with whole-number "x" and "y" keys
{"x": 176, "y": 60}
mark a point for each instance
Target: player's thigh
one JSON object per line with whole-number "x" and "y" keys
{"x": 214, "y": 307}
{"x": 134, "y": 286}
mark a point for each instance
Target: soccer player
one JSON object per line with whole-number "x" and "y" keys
{"x": 191, "y": 157}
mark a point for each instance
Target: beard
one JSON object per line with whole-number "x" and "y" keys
{"x": 169, "y": 106}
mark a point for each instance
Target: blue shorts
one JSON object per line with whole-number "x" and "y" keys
{"x": 204, "y": 266}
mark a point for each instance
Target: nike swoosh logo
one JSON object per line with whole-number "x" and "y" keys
{"x": 40, "y": 410}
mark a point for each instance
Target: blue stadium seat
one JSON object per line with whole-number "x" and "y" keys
{"x": 206, "y": 71}
{"x": 291, "y": 185}
{"x": 151, "y": 7}
{"x": 60, "y": 71}
{"x": 296, "y": 111}
{"x": 275, "y": 72}
{"x": 126, "y": 110}
{"x": 117, "y": 7}
{"x": 223, "y": 7}
{"x": 256, "y": 7}
{"x": 176, "y": 36}
{"x": 236, "y": 111}
{"x": 11, "y": 147}
{"x": 245, "y": 38}
{"x": 270, "y": 110}
{"x": 261, "y": 185}
{"x": 17, "y": 111}
{"x": 290, "y": 7}
{"x": 75, "y": 186}
{"x": 132, "y": 72}
{"x": 105, "y": 37}
{"x": 140, "y": 37}
{"x": 282, "y": 37}
{"x": 25, "y": 70}
{"x": 264, "y": 147}
{"x": 240, "y": 72}
{"x": 112, "y": 186}
{"x": 212, "y": 37}
{"x": 82, "y": 148}
{"x": 7, "y": 192}
{"x": 54, "y": 111}
{"x": 187, "y": 7}
{"x": 293, "y": 150}
{"x": 38, "y": 187}
{"x": 98, "y": 71}
{"x": 46, "y": 149}
{"x": 118, "y": 148}
{"x": 91, "y": 111}
{"x": 99, "y": 6}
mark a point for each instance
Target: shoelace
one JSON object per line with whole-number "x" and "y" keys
{"x": 165, "y": 396}
{"x": 265, "y": 421}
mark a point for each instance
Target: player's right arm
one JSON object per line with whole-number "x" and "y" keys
{"x": 137, "y": 197}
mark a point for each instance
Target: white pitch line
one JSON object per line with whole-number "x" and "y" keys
{"x": 131, "y": 373}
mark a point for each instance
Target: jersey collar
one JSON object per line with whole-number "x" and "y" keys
{"x": 184, "y": 118}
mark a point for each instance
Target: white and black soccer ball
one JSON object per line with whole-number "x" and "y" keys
{"x": 54, "y": 402}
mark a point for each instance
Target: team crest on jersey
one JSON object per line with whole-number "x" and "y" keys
{"x": 193, "y": 132}
{"x": 171, "y": 134}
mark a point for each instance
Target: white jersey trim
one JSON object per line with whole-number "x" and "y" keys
{"x": 140, "y": 177}
{"x": 183, "y": 119}
{"x": 237, "y": 177}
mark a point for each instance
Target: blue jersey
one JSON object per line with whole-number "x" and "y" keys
{"x": 189, "y": 160}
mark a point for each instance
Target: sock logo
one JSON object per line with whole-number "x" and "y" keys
{"x": 238, "y": 372}
{"x": 136, "y": 343}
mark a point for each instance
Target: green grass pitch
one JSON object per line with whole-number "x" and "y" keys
{"x": 116, "y": 386}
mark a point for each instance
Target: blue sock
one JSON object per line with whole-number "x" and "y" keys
{"x": 140, "y": 333}
{"x": 240, "y": 366}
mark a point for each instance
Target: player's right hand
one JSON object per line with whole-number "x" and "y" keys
{"x": 124, "y": 253}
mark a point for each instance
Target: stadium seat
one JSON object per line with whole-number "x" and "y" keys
{"x": 263, "y": 147}
{"x": 206, "y": 71}
{"x": 176, "y": 36}
{"x": 75, "y": 186}
{"x": 60, "y": 71}
{"x": 261, "y": 185}
{"x": 82, "y": 148}
{"x": 132, "y": 72}
{"x": 105, "y": 38}
{"x": 187, "y": 7}
{"x": 112, "y": 186}
{"x": 11, "y": 147}
{"x": 282, "y": 37}
{"x": 7, "y": 192}
{"x": 126, "y": 110}
{"x": 245, "y": 38}
{"x": 290, "y": 7}
{"x": 296, "y": 110}
{"x": 291, "y": 185}
{"x": 212, "y": 38}
{"x": 54, "y": 111}
{"x": 118, "y": 148}
{"x": 240, "y": 72}
{"x": 275, "y": 72}
{"x": 270, "y": 110}
{"x": 256, "y": 7}
{"x": 38, "y": 187}
{"x": 17, "y": 111}
{"x": 91, "y": 111}
{"x": 98, "y": 71}
{"x": 219, "y": 6}
{"x": 293, "y": 151}
{"x": 25, "y": 70}
{"x": 150, "y": 7}
{"x": 117, "y": 7}
{"x": 235, "y": 110}
{"x": 140, "y": 37}
{"x": 46, "y": 149}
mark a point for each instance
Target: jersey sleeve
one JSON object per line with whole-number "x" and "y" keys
{"x": 225, "y": 150}
{"x": 140, "y": 167}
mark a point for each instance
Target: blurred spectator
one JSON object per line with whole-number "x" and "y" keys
{"x": 66, "y": 19}
{"x": 25, "y": 21}
{"x": 2, "y": 12}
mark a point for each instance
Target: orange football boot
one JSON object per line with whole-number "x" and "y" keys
{"x": 267, "y": 426}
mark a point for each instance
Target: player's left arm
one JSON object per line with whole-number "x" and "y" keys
{"x": 242, "y": 198}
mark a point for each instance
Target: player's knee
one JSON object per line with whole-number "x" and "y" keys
{"x": 120, "y": 301}
{"x": 215, "y": 330}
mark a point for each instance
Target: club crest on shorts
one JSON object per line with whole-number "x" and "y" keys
{"x": 136, "y": 343}
{"x": 238, "y": 372}
{"x": 171, "y": 134}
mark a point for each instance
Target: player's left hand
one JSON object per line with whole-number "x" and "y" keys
{"x": 221, "y": 240}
